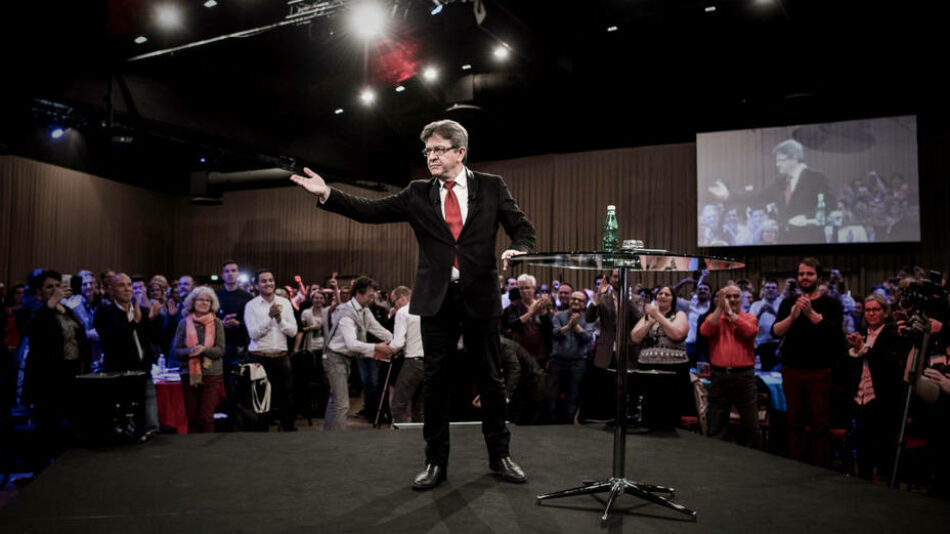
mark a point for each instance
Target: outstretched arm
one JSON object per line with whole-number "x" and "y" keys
{"x": 393, "y": 208}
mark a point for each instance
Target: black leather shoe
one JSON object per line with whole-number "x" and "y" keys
{"x": 430, "y": 478}
{"x": 509, "y": 470}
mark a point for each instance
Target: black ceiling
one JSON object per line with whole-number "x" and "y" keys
{"x": 671, "y": 69}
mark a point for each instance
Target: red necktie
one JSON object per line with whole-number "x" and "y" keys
{"x": 453, "y": 214}
{"x": 788, "y": 191}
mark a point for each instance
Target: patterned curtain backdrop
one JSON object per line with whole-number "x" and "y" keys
{"x": 57, "y": 218}
{"x": 68, "y": 220}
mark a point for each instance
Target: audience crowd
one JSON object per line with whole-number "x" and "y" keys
{"x": 697, "y": 353}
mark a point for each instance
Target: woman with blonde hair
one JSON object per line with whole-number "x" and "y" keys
{"x": 199, "y": 345}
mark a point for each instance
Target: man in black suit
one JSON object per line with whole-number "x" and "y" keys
{"x": 124, "y": 329}
{"x": 794, "y": 197}
{"x": 455, "y": 216}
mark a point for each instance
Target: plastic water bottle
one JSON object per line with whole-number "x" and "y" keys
{"x": 161, "y": 364}
{"x": 611, "y": 239}
{"x": 820, "y": 210}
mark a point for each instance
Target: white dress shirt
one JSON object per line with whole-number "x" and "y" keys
{"x": 461, "y": 193}
{"x": 344, "y": 339}
{"x": 407, "y": 333}
{"x": 267, "y": 333}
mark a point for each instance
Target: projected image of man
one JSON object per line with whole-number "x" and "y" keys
{"x": 794, "y": 197}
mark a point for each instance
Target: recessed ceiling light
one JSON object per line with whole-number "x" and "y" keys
{"x": 501, "y": 52}
{"x": 338, "y": 111}
{"x": 367, "y": 96}
{"x": 400, "y": 88}
{"x": 141, "y": 39}
{"x": 466, "y": 67}
{"x": 168, "y": 16}
{"x": 210, "y": 3}
{"x": 430, "y": 74}
{"x": 368, "y": 20}
{"x": 710, "y": 9}
{"x": 611, "y": 28}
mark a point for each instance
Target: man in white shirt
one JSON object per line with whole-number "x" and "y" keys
{"x": 346, "y": 340}
{"x": 270, "y": 321}
{"x": 765, "y": 310}
{"x": 407, "y": 336}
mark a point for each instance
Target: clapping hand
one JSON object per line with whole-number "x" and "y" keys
{"x": 856, "y": 340}
{"x": 275, "y": 310}
{"x": 651, "y": 310}
{"x": 941, "y": 379}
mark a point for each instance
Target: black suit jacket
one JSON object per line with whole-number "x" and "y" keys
{"x": 489, "y": 204}
{"x": 804, "y": 201}
{"x": 886, "y": 367}
{"x": 47, "y": 373}
{"x": 119, "y": 352}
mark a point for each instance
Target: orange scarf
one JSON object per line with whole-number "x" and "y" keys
{"x": 191, "y": 340}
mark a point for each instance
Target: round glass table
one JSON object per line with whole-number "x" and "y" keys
{"x": 625, "y": 261}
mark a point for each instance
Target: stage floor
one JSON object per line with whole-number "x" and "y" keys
{"x": 358, "y": 481}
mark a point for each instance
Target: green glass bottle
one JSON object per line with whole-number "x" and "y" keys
{"x": 611, "y": 239}
{"x": 820, "y": 210}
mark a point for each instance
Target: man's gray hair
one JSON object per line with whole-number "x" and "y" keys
{"x": 448, "y": 129}
{"x": 528, "y": 278}
{"x": 790, "y": 148}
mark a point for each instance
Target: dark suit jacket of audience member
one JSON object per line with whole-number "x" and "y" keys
{"x": 514, "y": 328}
{"x": 886, "y": 364}
{"x": 523, "y": 375}
{"x": 119, "y": 352}
{"x": 419, "y": 204}
{"x": 46, "y": 369}
{"x": 606, "y": 312}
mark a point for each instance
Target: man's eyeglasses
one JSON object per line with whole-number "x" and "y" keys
{"x": 438, "y": 150}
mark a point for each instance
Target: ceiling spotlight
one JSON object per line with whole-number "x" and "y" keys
{"x": 368, "y": 20}
{"x": 400, "y": 88}
{"x": 501, "y": 52}
{"x": 338, "y": 111}
{"x": 611, "y": 28}
{"x": 243, "y": 278}
{"x": 202, "y": 159}
{"x": 168, "y": 16}
{"x": 210, "y": 3}
{"x": 368, "y": 96}
{"x": 710, "y": 9}
{"x": 466, "y": 67}
{"x": 141, "y": 39}
{"x": 430, "y": 74}
{"x": 438, "y": 7}
{"x": 57, "y": 132}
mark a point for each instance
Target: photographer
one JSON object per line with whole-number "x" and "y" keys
{"x": 923, "y": 305}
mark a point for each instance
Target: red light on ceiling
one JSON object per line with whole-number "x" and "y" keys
{"x": 394, "y": 62}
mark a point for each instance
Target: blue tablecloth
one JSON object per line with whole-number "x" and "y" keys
{"x": 772, "y": 379}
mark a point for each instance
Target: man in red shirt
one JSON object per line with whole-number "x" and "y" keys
{"x": 731, "y": 334}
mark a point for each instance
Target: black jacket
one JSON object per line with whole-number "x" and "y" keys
{"x": 119, "y": 352}
{"x": 886, "y": 365}
{"x": 489, "y": 205}
{"x": 47, "y": 372}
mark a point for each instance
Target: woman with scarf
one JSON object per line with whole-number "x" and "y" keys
{"x": 199, "y": 346}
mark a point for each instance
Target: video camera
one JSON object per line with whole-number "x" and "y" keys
{"x": 927, "y": 296}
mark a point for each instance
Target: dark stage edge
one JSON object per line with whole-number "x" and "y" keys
{"x": 358, "y": 481}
